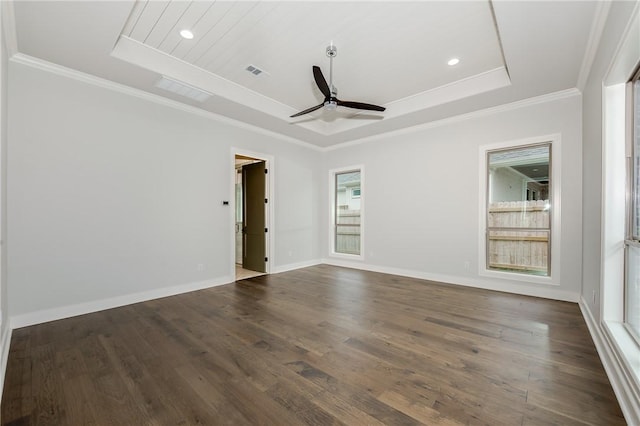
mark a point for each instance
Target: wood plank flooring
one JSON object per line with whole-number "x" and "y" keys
{"x": 320, "y": 345}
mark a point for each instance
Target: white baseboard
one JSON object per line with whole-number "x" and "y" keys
{"x": 39, "y": 317}
{"x": 5, "y": 344}
{"x": 47, "y": 315}
{"x": 298, "y": 265}
{"x": 621, "y": 382}
{"x": 616, "y": 371}
{"x": 546, "y": 292}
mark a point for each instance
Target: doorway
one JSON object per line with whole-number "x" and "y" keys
{"x": 250, "y": 216}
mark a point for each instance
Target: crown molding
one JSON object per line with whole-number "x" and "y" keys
{"x": 9, "y": 27}
{"x": 624, "y": 59}
{"x": 43, "y": 65}
{"x": 466, "y": 87}
{"x": 60, "y": 70}
{"x": 595, "y": 34}
{"x": 549, "y": 97}
{"x": 155, "y": 60}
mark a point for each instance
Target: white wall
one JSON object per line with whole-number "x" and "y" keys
{"x": 111, "y": 195}
{"x": 430, "y": 228}
{"x": 5, "y": 328}
{"x": 592, "y": 153}
{"x": 506, "y": 185}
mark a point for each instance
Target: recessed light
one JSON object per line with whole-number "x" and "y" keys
{"x": 453, "y": 61}
{"x": 186, "y": 34}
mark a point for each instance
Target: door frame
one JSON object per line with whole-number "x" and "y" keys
{"x": 269, "y": 211}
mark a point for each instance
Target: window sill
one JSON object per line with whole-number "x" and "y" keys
{"x": 514, "y": 276}
{"x": 346, "y": 256}
{"x": 626, "y": 347}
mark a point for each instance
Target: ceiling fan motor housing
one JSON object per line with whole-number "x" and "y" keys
{"x": 330, "y": 105}
{"x": 330, "y": 92}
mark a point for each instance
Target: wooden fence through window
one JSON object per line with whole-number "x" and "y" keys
{"x": 348, "y": 232}
{"x": 519, "y": 236}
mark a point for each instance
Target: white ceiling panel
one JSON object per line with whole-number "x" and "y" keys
{"x": 148, "y": 18}
{"x": 240, "y": 37}
{"x": 191, "y": 16}
{"x": 214, "y": 25}
{"x": 166, "y": 23}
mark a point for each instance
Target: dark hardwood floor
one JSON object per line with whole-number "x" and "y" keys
{"x": 320, "y": 345}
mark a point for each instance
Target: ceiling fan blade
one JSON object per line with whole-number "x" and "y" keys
{"x": 308, "y": 110}
{"x": 321, "y": 82}
{"x": 360, "y": 105}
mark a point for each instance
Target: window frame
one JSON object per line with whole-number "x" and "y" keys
{"x": 632, "y": 238}
{"x": 525, "y": 193}
{"x": 607, "y": 301}
{"x": 555, "y": 172}
{"x": 332, "y": 214}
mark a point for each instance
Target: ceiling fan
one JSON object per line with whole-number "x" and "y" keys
{"x": 331, "y": 102}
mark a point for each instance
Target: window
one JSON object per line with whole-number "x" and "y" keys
{"x": 347, "y": 211}
{"x": 632, "y": 242}
{"x": 619, "y": 257}
{"x": 518, "y": 210}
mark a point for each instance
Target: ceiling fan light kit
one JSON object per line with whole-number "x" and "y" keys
{"x": 331, "y": 101}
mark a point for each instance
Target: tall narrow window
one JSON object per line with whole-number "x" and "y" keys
{"x": 632, "y": 243}
{"x": 519, "y": 202}
{"x": 347, "y": 216}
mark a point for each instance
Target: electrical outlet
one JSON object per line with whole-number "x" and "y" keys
{"x": 290, "y": 253}
{"x": 200, "y": 267}
{"x": 467, "y": 265}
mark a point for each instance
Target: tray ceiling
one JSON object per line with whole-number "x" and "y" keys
{"x": 284, "y": 39}
{"x": 393, "y": 54}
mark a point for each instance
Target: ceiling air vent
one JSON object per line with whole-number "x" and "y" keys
{"x": 182, "y": 89}
{"x": 254, "y": 70}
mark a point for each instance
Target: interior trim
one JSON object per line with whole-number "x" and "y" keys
{"x": 157, "y": 61}
{"x": 595, "y": 34}
{"x": 145, "y": 56}
{"x": 613, "y": 366}
{"x": 5, "y": 343}
{"x": 43, "y": 65}
{"x": 270, "y": 195}
{"x": 549, "y": 97}
{"x": 293, "y": 266}
{"x": 9, "y": 27}
{"x": 525, "y": 289}
{"x": 38, "y": 317}
{"x": 42, "y": 316}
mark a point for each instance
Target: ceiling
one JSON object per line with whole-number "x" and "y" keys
{"x": 392, "y": 54}
{"x": 539, "y": 172}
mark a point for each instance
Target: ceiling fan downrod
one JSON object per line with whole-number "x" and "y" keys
{"x": 332, "y": 52}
